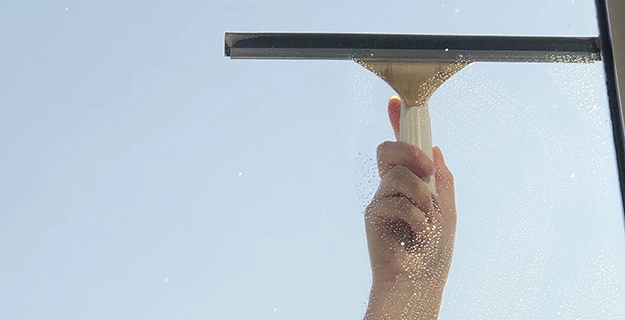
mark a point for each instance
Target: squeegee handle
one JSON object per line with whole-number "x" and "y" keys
{"x": 415, "y": 128}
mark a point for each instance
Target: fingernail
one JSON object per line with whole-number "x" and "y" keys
{"x": 394, "y": 99}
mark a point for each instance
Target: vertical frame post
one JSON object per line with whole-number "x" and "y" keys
{"x": 610, "y": 17}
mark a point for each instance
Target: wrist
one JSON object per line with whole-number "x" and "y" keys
{"x": 403, "y": 300}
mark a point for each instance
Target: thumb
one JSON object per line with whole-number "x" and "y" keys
{"x": 394, "y": 113}
{"x": 446, "y": 194}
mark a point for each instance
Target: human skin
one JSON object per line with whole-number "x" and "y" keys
{"x": 410, "y": 232}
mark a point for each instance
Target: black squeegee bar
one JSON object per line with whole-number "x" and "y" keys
{"x": 355, "y": 46}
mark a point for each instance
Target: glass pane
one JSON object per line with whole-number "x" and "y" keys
{"x": 145, "y": 176}
{"x": 539, "y": 216}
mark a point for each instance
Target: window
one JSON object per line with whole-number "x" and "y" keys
{"x": 146, "y": 176}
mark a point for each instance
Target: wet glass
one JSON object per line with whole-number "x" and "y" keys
{"x": 144, "y": 175}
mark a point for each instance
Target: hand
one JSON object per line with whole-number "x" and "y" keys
{"x": 410, "y": 232}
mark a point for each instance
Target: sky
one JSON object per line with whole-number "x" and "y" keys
{"x": 146, "y": 176}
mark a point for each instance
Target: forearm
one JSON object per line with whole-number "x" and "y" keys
{"x": 403, "y": 302}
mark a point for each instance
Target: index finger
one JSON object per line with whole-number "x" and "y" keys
{"x": 391, "y": 154}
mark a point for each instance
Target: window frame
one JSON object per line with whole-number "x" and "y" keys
{"x": 610, "y": 15}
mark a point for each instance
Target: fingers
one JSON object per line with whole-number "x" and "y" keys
{"x": 396, "y": 217}
{"x": 394, "y": 154}
{"x": 399, "y": 181}
{"x": 445, "y": 190}
{"x": 391, "y": 154}
{"x": 394, "y": 113}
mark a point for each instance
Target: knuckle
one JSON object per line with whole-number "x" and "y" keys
{"x": 375, "y": 209}
{"x": 384, "y": 147}
{"x": 424, "y": 162}
{"x": 418, "y": 161}
{"x": 386, "y": 206}
{"x": 371, "y": 208}
{"x": 398, "y": 172}
{"x": 398, "y": 175}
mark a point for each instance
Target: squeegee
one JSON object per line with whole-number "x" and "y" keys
{"x": 413, "y": 65}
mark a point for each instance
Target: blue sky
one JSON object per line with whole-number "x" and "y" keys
{"x": 144, "y": 175}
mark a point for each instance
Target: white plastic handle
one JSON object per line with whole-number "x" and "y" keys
{"x": 415, "y": 128}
